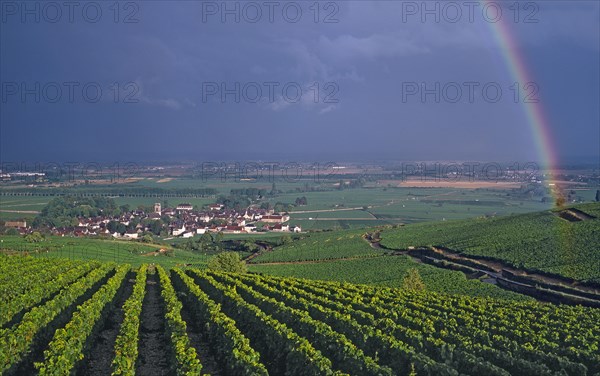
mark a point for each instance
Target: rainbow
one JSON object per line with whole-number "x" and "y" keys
{"x": 534, "y": 112}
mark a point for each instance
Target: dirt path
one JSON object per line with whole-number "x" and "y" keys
{"x": 199, "y": 342}
{"x": 325, "y": 210}
{"x": 30, "y": 204}
{"x": 154, "y": 352}
{"x": 99, "y": 358}
{"x": 20, "y": 211}
{"x": 264, "y": 248}
{"x": 541, "y": 287}
{"x": 374, "y": 240}
{"x": 574, "y": 215}
{"x": 499, "y": 266}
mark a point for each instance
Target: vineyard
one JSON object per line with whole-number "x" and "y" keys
{"x": 539, "y": 241}
{"x": 102, "y": 318}
{"x": 321, "y": 246}
{"x": 388, "y": 271}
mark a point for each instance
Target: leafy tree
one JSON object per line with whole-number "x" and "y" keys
{"x": 147, "y": 239}
{"x": 156, "y": 226}
{"x": 121, "y": 229}
{"x": 34, "y": 237}
{"x": 11, "y": 231}
{"x": 219, "y": 239}
{"x": 250, "y": 246}
{"x": 413, "y": 281}
{"x": 205, "y": 240}
{"x": 283, "y": 207}
{"x": 64, "y": 211}
{"x": 238, "y": 203}
{"x": 189, "y": 245}
{"x": 115, "y": 226}
{"x": 227, "y": 262}
{"x": 285, "y": 239}
{"x": 301, "y": 201}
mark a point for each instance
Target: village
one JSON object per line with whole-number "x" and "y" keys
{"x": 182, "y": 221}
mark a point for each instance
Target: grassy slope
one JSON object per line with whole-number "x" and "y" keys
{"x": 540, "y": 240}
{"x": 98, "y": 249}
{"x": 387, "y": 271}
{"x": 320, "y": 246}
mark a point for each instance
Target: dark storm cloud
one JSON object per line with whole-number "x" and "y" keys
{"x": 175, "y": 80}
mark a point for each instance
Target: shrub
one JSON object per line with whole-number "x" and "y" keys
{"x": 413, "y": 281}
{"x": 227, "y": 262}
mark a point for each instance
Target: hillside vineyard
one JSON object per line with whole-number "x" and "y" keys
{"x": 251, "y": 324}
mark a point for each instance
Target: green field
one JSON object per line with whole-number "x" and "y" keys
{"x": 134, "y": 202}
{"x": 74, "y": 248}
{"x": 541, "y": 241}
{"x": 340, "y": 224}
{"x": 382, "y": 205}
{"x": 338, "y": 214}
{"x": 418, "y": 203}
{"x": 321, "y": 246}
{"x": 12, "y": 208}
{"x": 387, "y": 271}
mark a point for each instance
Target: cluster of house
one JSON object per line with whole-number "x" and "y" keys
{"x": 219, "y": 219}
{"x": 184, "y": 222}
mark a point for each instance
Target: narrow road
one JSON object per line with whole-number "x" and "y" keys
{"x": 21, "y": 211}
{"x": 154, "y": 353}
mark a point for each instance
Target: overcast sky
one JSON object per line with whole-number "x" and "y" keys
{"x": 162, "y": 68}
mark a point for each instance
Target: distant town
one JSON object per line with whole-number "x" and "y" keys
{"x": 182, "y": 221}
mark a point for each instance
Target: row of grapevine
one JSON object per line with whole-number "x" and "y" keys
{"x": 16, "y": 341}
{"x": 67, "y": 346}
{"x": 565, "y": 330}
{"x": 390, "y": 271}
{"x": 390, "y": 351}
{"x": 229, "y": 344}
{"x": 12, "y": 267}
{"x": 379, "y": 342}
{"x": 490, "y": 321}
{"x": 250, "y": 324}
{"x": 16, "y": 285}
{"x": 428, "y": 330}
{"x": 185, "y": 355}
{"x": 41, "y": 290}
{"x": 336, "y": 346}
{"x": 283, "y": 350}
{"x": 18, "y": 278}
{"x": 126, "y": 344}
{"x": 469, "y": 324}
